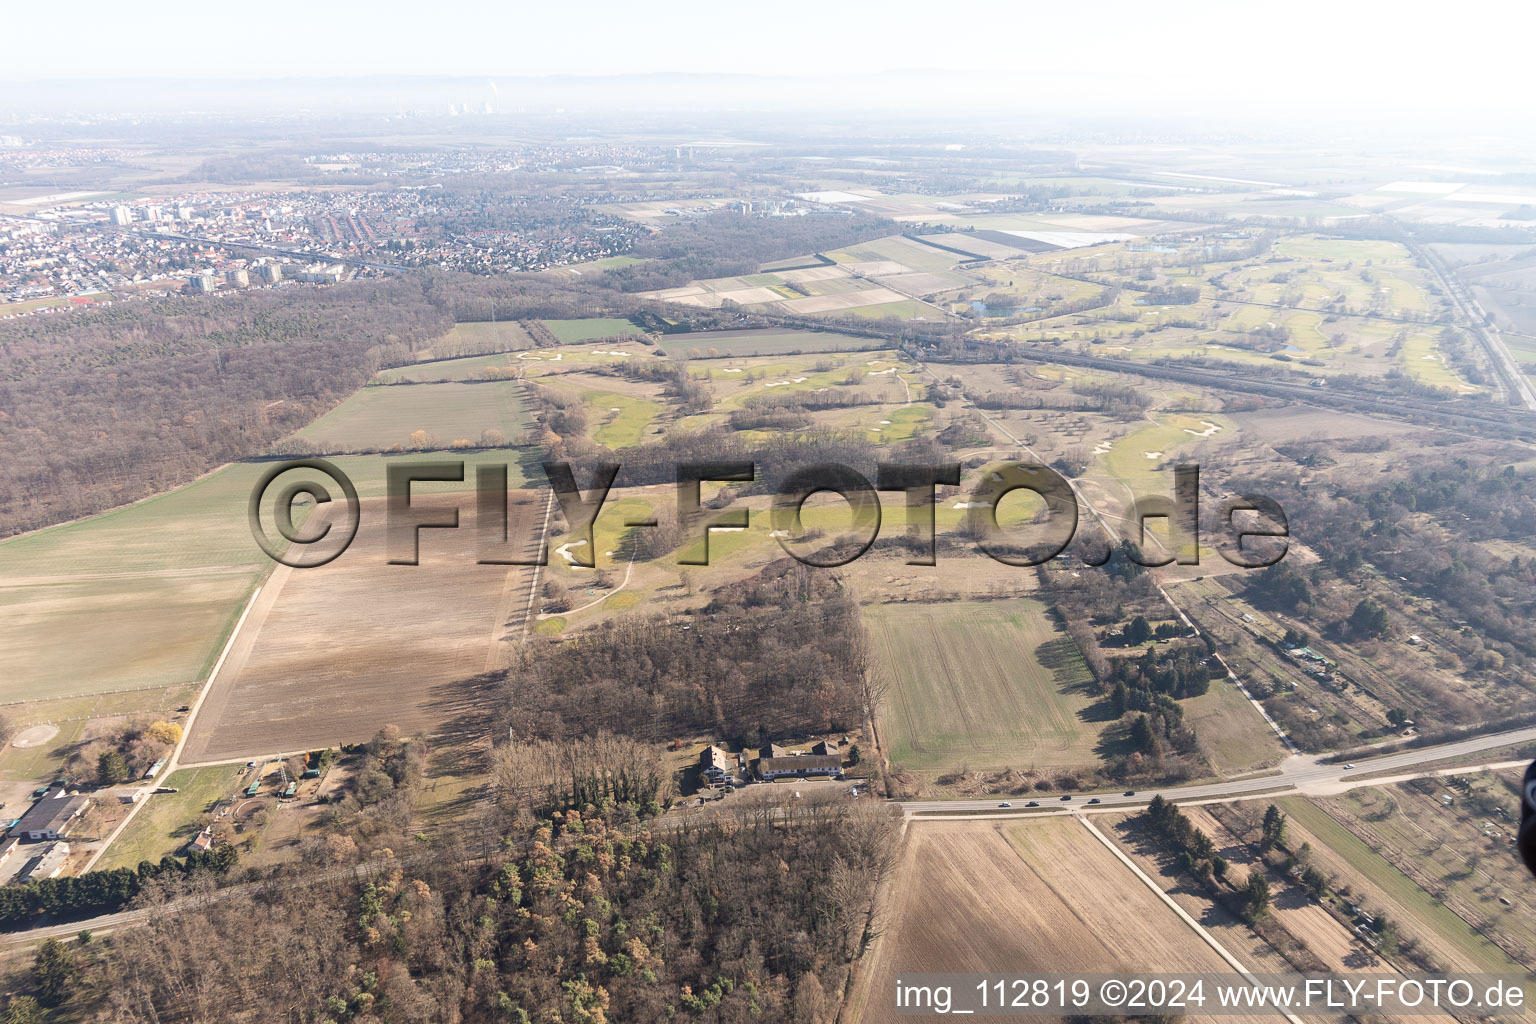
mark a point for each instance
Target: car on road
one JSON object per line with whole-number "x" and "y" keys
{"x": 1033, "y": 803}
{"x": 1349, "y": 767}
{"x": 1066, "y": 796}
{"x": 1094, "y": 800}
{"x": 1005, "y": 803}
{"x": 1130, "y": 792}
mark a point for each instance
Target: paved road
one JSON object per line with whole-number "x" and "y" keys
{"x": 1302, "y": 773}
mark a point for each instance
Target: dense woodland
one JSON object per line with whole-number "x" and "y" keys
{"x": 727, "y": 244}
{"x": 573, "y": 920}
{"x": 780, "y": 654}
{"x": 100, "y": 407}
{"x": 1426, "y": 528}
{"x": 1140, "y": 687}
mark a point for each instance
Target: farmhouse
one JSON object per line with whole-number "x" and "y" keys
{"x": 716, "y": 765}
{"x": 203, "y": 843}
{"x": 51, "y": 817}
{"x": 799, "y": 766}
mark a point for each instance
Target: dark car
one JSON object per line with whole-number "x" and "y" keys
{"x": 1033, "y": 803}
{"x": 1130, "y": 792}
{"x": 1067, "y": 796}
{"x": 1094, "y": 800}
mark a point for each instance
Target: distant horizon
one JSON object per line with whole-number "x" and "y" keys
{"x": 1193, "y": 58}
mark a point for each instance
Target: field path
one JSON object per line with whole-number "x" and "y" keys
{"x": 221, "y": 681}
{"x": 171, "y": 761}
{"x": 1168, "y": 901}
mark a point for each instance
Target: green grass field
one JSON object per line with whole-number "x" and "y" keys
{"x": 170, "y": 820}
{"x": 984, "y": 684}
{"x": 1422, "y": 358}
{"x": 571, "y": 332}
{"x": 1230, "y": 728}
{"x": 906, "y": 309}
{"x": 450, "y": 415}
{"x": 467, "y": 368}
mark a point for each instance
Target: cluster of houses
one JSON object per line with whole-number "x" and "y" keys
{"x": 719, "y": 767}
{"x": 50, "y": 819}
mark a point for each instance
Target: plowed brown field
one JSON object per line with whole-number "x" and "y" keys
{"x": 1041, "y": 896}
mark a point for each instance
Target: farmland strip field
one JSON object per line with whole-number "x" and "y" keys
{"x": 985, "y": 684}
{"x": 1340, "y": 852}
{"x": 1455, "y": 842}
{"x": 1043, "y": 896}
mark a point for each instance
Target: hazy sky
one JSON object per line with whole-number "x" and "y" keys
{"x": 1302, "y": 42}
{"x": 1398, "y": 56}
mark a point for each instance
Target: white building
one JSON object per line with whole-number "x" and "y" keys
{"x": 49, "y": 865}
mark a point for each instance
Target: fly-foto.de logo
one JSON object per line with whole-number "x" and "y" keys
{"x": 1249, "y": 530}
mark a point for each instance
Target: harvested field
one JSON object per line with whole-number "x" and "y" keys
{"x": 330, "y": 654}
{"x": 1044, "y": 896}
{"x": 983, "y": 684}
{"x": 709, "y": 344}
{"x": 1309, "y": 923}
{"x": 479, "y": 336}
{"x": 842, "y": 300}
{"x": 418, "y": 415}
{"x": 155, "y": 585}
{"x": 146, "y": 630}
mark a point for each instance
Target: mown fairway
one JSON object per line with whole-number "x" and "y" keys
{"x": 983, "y": 684}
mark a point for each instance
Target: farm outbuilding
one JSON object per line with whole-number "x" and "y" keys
{"x": 51, "y": 817}
{"x": 802, "y": 766}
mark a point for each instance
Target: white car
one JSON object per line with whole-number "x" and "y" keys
{"x": 1348, "y": 767}
{"x": 1005, "y": 803}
